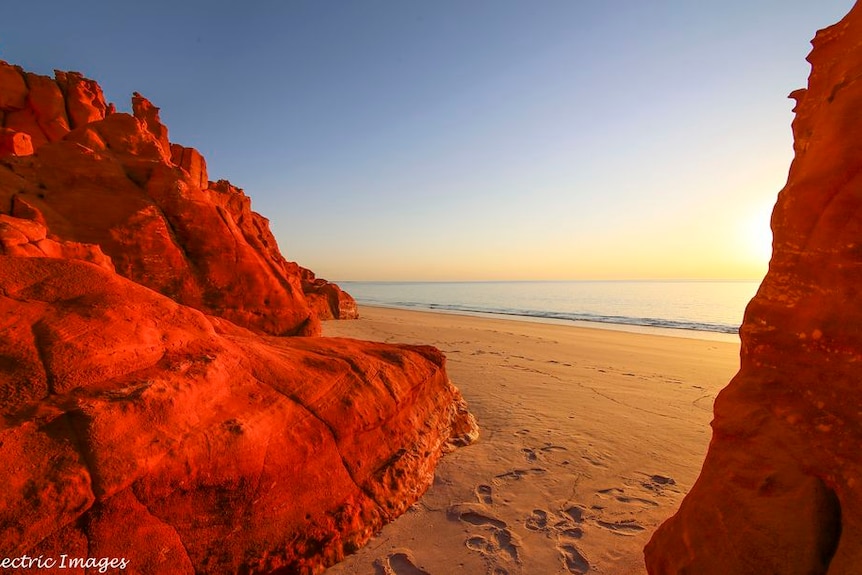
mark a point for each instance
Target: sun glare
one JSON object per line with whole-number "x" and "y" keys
{"x": 757, "y": 235}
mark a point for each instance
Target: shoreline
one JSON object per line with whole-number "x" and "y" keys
{"x": 611, "y": 326}
{"x": 589, "y": 439}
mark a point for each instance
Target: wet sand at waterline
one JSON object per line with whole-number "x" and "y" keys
{"x": 589, "y": 439}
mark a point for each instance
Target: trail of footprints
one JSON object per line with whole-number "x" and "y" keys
{"x": 499, "y": 544}
{"x": 496, "y": 543}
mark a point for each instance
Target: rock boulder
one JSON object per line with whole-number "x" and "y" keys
{"x": 136, "y": 427}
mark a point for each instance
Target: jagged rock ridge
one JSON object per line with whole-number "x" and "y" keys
{"x": 779, "y": 491}
{"x": 111, "y": 179}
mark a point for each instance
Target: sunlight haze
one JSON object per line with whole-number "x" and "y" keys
{"x": 469, "y": 140}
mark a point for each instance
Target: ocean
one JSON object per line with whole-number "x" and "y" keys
{"x": 699, "y": 309}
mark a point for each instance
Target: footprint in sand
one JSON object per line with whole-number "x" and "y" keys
{"x": 610, "y": 490}
{"x": 565, "y": 527}
{"x": 576, "y": 513}
{"x": 574, "y": 561}
{"x": 592, "y": 460}
{"x": 531, "y": 454}
{"x": 498, "y": 542}
{"x": 537, "y": 520}
{"x": 474, "y": 518}
{"x": 572, "y": 533}
{"x": 626, "y": 527}
{"x": 662, "y": 480}
{"x": 483, "y": 493}
{"x": 400, "y": 563}
{"x": 617, "y": 494}
{"x": 659, "y": 483}
{"x": 517, "y": 474}
{"x": 637, "y": 500}
{"x": 480, "y": 545}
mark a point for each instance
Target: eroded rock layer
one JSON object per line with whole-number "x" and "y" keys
{"x": 781, "y": 488}
{"x": 114, "y": 180}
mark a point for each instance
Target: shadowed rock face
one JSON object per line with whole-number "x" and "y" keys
{"x": 781, "y": 487}
{"x": 115, "y": 180}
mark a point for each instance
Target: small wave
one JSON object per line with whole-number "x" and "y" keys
{"x": 565, "y": 316}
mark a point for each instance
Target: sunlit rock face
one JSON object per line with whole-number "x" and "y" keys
{"x": 115, "y": 180}
{"x": 136, "y": 427}
{"x": 781, "y": 487}
{"x": 146, "y": 410}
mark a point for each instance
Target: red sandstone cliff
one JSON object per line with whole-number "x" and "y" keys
{"x": 781, "y": 488}
{"x": 114, "y": 180}
{"x": 140, "y": 428}
{"x": 140, "y": 420}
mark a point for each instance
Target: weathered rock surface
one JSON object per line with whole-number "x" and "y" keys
{"x": 116, "y": 181}
{"x": 192, "y": 162}
{"x": 781, "y": 487}
{"x": 147, "y": 430}
{"x": 29, "y": 238}
{"x": 44, "y": 108}
{"x": 138, "y": 418}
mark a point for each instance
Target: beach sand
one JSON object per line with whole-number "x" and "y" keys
{"x": 589, "y": 439}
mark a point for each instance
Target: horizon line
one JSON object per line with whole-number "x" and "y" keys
{"x": 621, "y": 280}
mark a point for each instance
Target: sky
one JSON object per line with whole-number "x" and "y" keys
{"x": 470, "y": 139}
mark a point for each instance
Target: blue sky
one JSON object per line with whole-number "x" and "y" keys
{"x": 579, "y": 139}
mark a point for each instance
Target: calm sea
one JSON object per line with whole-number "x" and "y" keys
{"x": 710, "y": 309}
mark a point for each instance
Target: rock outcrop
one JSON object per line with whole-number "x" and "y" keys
{"x": 147, "y": 409}
{"x": 781, "y": 488}
{"x": 327, "y": 299}
{"x": 136, "y": 427}
{"x": 115, "y": 180}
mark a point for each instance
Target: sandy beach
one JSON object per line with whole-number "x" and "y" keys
{"x": 590, "y": 438}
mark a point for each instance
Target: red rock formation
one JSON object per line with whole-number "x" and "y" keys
{"x": 13, "y": 96}
{"x": 85, "y": 102}
{"x": 192, "y": 162}
{"x": 48, "y": 106}
{"x": 133, "y": 425}
{"x": 148, "y": 114}
{"x": 14, "y": 143}
{"x": 327, "y": 299}
{"x": 136, "y": 427}
{"x": 115, "y": 181}
{"x": 44, "y": 108}
{"x": 781, "y": 487}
